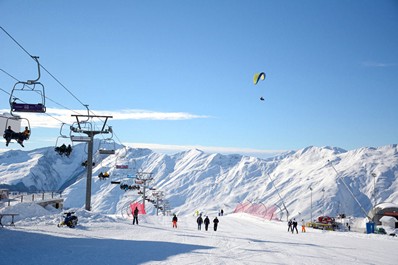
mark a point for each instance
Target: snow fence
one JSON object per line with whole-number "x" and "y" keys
{"x": 257, "y": 209}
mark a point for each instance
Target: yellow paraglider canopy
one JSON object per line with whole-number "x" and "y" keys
{"x": 258, "y": 76}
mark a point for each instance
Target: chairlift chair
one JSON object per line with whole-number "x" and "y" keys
{"x": 63, "y": 148}
{"x": 20, "y": 90}
{"x": 107, "y": 146}
{"x": 16, "y": 121}
{"x": 76, "y": 132}
{"x": 122, "y": 163}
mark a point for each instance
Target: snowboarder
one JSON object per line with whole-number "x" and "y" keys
{"x": 135, "y": 216}
{"x": 222, "y": 212}
{"x": 207, "y": 222}
{"x": 294, "y": 225}
{"x": 289, "y": 225}
{"x": 303, "y": 226}
{"x": 174, "y": 221}
{"x": 215, "y": 221}
{"x": 199, "y": 221}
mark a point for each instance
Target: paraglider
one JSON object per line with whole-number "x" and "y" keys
{"x": 257, "y": 77}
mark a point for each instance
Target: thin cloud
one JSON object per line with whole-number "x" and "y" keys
{"x": 153, "y": 115}
{"x": 54, "y": 117}
{"x": 378, "y": 64}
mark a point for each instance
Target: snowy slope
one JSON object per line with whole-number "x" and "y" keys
{"x": 194, "y": 180}
{"x": 240, "y": 239}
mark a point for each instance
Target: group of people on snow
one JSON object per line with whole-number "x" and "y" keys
{"x": 292, "y": 225}
{"x": 174, "y": 220}
{"x": 206, "y": 222}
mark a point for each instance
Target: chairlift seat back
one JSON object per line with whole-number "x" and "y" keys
{"x": 106, "y": 151}
{"x": 25, "y": 107}
{"x": 84, "y": 139}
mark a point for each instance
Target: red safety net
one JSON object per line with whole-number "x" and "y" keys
{"x": 257, "y": 209}
{"x": 140, "y": 206}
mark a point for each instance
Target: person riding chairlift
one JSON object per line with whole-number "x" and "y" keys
{"x": 9, "y": 134}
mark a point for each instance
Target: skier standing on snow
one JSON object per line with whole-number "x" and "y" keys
{"x": 174, "y": 221}
{"x": 294, "y": 226}
{"x": 135, "y": 216}
{"x": 215, "y": 221}
{"x": 303, "y": 226}
{"x": 207, "y": 222}
{"x": 199, "y": 221}
{"x": 289, "y": 225}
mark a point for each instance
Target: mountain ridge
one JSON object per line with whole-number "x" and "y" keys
{"x": 210, "y": 182}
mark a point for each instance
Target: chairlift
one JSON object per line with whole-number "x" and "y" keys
{"x": 107, "y": 146}
{"x": 85, "y": 163}
{"x": 104, "y": 175}
{"x": 36, "y": 91}
{"x": 128, "y": 185}
{"x": 77, "y": 129}
{"x": 115, "y": 182}
{"x": 139, "y": 181}
{"x": 12, "y": 129}
{"x": 63, "y": 148}
{"x": 122, "y": 163}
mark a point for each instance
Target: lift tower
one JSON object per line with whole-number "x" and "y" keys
{"x": 89, "y": 139}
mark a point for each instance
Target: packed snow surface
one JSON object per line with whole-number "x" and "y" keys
{"x": 240, "y": 239}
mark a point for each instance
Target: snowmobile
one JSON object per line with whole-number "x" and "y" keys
{"x": 70, "y": 220}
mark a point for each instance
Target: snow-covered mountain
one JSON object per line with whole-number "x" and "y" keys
{"x": 194, "y": 180}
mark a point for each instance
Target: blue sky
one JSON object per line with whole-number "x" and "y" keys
{"x": 181, "y": 72}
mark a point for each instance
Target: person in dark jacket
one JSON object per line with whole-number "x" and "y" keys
{"x": 215, "y": 222}
{"x": 289, "y": 225}
{"x": 294, "y": 226}
{"x": 206, "y": 222}
{"x": 135, "y": 216}
{"x": 200, "y": 222}
{"x": 174, "y": 220}
{"x": 8, "y": 135}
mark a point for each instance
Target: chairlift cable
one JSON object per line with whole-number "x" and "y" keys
{"x": 16, "y": 42}
{"x": 48, "y": 72}
{"x": 53, "y": 101}
{"x": 5, "y": 91}
{"x": 25, "y": 102}
{"x": 16, "y": 79}
{"x": 13, "y": 77}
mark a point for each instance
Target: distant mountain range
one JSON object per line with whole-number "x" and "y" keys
{"x": 313, "y": 180}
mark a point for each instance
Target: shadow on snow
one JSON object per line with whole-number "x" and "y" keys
{"x": 17, "y": 247}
